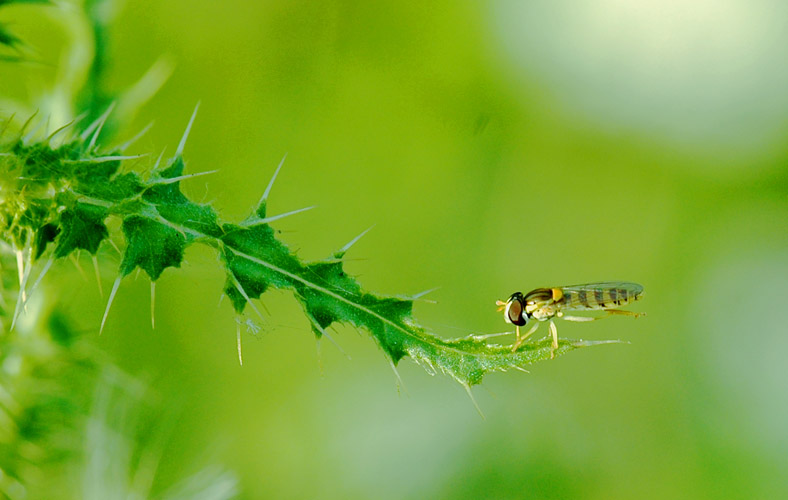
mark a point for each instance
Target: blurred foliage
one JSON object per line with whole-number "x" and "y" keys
{"x": 497, "y": 147}
{"x": 56, "y": 439}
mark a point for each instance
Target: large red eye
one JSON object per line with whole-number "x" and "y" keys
{"x": 515, "y": 312}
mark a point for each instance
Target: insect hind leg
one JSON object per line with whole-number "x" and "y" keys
{"x": 620, "y": 312}
{"x": 608, "y": 313}
{"x": 580, "y": 319}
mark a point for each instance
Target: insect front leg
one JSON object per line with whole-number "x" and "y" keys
{"x": 520, "y": 339}
{"x": 554, "y": 333}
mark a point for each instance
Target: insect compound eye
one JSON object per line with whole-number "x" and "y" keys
{"x": 514, "y": 312}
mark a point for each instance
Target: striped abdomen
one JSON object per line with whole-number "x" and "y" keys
{"x": 608, "y": 295}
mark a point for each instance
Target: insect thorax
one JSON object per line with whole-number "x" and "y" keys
{"x": 540, "y": 304}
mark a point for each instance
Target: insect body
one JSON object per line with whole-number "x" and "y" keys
{"x": 544, "y": 304}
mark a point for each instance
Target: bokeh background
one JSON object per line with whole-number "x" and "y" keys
{"x": 495, "y": 146}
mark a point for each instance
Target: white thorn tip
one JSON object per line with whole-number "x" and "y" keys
{"x": 330, "y": 339}
{"x": 152, "y": 305}
{"x": 271, "y": 182}
{"x": 422, "y": 294}
{"x": 266, "y": 220}
{"x": 24, "y": 273}
{"x": 75, "y": 261}
{"x": 473, "y": 400}
{"x": 400, "y": 384}
{"x": 98, "y": 275}
{"x": 73, "y": 122}
{"x": 354, "y": 240}
{"x": 137, "y": 137}
{"x": 40, "y": 277}
{"x": 182, "y": 144}
{"x": 27, "y": 122}
{"x": 238, "y": 340}
{"x": 171, "y": 180}
{"x": 100, "y": 121}
{"x": 115, "y": 246}
{"x": 158, "y": 160}
{"x": 103, "y": 159}
{"x": 109, "y": 302}
{"x": 245, "y": 296}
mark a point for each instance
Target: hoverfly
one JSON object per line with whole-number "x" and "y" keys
{"x": 544, "y": 304}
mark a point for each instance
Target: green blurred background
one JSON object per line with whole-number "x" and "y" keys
{"x": 496, "y": 146}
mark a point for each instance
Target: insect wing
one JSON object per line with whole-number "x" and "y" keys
{"x": 602, "y": 295}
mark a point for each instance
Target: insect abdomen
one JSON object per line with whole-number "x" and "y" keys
{"x": 602, "y": 297}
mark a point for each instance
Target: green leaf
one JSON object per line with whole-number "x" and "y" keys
{"x": 151, "y": 245}
{"x": 81, "y": 227}
{"x": 175, "y": 207}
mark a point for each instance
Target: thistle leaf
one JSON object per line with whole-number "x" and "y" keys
{"x": 81, "y": 227}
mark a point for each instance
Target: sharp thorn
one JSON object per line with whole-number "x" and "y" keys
{"x": 27, "y": 122}
{"x": 422, "y": 294}
{"x": 152, "y": 305}
{"x": 245, "y": 296}
{"x": 271, "y": 182}
{"x": 137, "y": 137}
{"x": 115, "y": 246}
{"x": 238, "y": 340}
{"x": 7, "y": 124}
{"x": 81, "y": 271}
{"x": 182, "y": 144}
{"x": 473, "y": 400}
{"x": 34, "y": 130}
{"x": 40, "y": 277}
{"x": 73, "y": 122}
{"x": 98, "y": 275}
{"x": 329, "y": 337}
{"x": 158, "y": 161}
{"x": 24, "y": 272}
{"x": 99, "y": 123}
{"x": 352, "y": 242}
{"x": 109, "y": 302}
{"x": 400, "y": 383}
{"x": 266, "y": 220}
{"x": 490, "y": 335}
{"x": 170, "y": 180}
{"x": 104, "y": 159}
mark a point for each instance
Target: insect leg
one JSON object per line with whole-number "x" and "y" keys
{"x": 554, "y": 333}
{"x": 608, "y": 312}
{"x": 611, "y": 312}
{"x": 520, "y": 339}
{"x": 579, "y": 318}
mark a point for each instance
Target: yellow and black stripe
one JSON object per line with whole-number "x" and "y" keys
{"x": 604, "y": 295}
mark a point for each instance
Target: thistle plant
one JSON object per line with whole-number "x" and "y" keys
{"x": 57, "y": 199}
{"x": 62, "y": 183}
